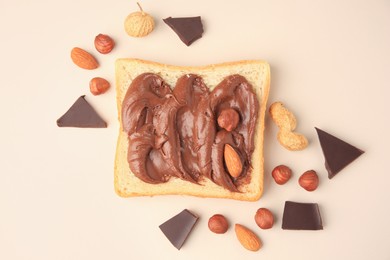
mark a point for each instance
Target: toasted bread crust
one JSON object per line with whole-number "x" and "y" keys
{"x": 128, "y": 185}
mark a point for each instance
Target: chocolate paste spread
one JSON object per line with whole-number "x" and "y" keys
{"x": 175, "y": 132}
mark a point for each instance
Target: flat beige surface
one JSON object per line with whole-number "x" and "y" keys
{"x": 330, "y": 64}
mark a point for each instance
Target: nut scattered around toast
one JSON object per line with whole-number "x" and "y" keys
{"x": 247, "y": 238}
{"x": 83, "y": 59}
{"x": 287, "y": 123}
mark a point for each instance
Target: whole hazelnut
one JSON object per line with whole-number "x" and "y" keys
{"x": 98, "y": 86}
{"x": 264, "y": 218}
{"x": 309, "y": 180}
{"x": 103, "y": 43}
{"x": 218, "y": 224}
{"x": 281, "y": 174}
{"x": 228, "y": 119}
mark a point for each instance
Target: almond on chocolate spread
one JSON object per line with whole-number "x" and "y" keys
{"x": 174, "y": 133}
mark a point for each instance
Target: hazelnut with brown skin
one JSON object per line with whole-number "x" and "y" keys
{"x": 309, "y": 180}
{"x": 98, "y": 86}
{"x": 281, "y": 174}
{"x": 104, "y": 44}
{"x": 218, "y": 224}
{"x": 264, "y": 218}
{"x": 228, "y": 119}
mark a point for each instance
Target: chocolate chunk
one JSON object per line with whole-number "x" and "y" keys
{"x": 338, "y": 154}
{"x": 301, "y": 216}
{"x": 81, "y": 114}
{"x": 189, "y": 29}
{"x": 179, "y": 227}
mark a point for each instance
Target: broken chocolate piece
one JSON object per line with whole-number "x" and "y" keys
{"x": 179, "y": 227}
{"x": 189, "y": 29}
{"x": 81, "y": 114}
{"x": 301, "y": 216}
{"x": 338, "y": 154}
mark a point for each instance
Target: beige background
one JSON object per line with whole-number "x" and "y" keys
{"x": 330, "y": 64}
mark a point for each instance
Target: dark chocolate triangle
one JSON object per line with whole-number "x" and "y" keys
{"x": 179, "y": 227}
{"x": 81, "y": 114}
{"x": 338, "y": 154}
{"x": 189, "y": 29}
{"x": 301, "y": 216}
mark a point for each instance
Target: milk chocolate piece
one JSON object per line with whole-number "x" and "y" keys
{"x": 338, "y": 154}
{"x": 179, "y": 227}
{"x": 81, "y": 114}
{"x": 301, "y": 216}
{"x": 189, "y": 29}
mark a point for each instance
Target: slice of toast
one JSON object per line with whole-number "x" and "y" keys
{"x": 257, "y": 73}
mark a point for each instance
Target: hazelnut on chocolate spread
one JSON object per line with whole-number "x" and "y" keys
{"x": 176, "y": 133}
